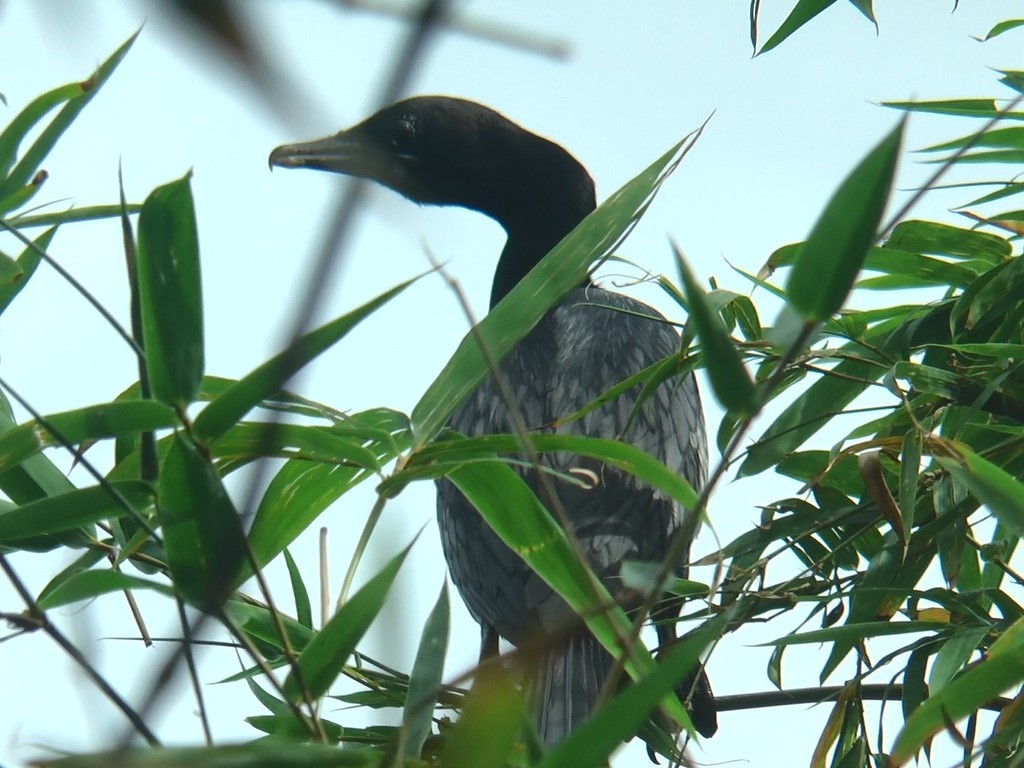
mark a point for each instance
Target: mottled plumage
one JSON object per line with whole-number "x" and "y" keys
{"x": 445, "y": 151}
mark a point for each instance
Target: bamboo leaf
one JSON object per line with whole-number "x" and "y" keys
{"x": 267, "y": 380}
{"x": 202, "y": 534}
{"x": 425, "y": 678}
{"x": 729, "y": 379}
{"x": 71, "y": 510}
{"x": 324, "y": 658}
{"x": 828, "y": 262}
{"x": 170, "y": 293}
{"x": 802, "y": 12}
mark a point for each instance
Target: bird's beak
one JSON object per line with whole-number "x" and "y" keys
{"x": 338, "y": 153}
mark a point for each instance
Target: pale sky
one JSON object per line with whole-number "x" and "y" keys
{"x": 786, "y": 128}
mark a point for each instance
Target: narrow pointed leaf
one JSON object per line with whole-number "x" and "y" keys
{"x": 303, "y": 609}
{"x": 27, "y": 263}
{"x": 26, "y": 168}
{"x": 1001, "y": 671}
{"x": 802, "y": 12}
{"x": 89, "y": 584}
{"x": 1003, "y": 26}
{"x": 729, "y": 379}
{"x": 170, "y": 293}
{"x": 994, "y": 487}
{"x": 426, "y": 675}
{"x": 203, "y": 537}
{"x": 71, "y": 510}
{"x": 71, "y": 215}
{"x": 118, "y": 419}
{"x": 267, "y": 380}
{"x": 956, "y": 107}
{"x": 29, "y": 117}
{"x": 830, "y": 259}
{"x": 324, "y": 658}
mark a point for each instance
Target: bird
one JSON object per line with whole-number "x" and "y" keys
{"x": 447, "y": 151}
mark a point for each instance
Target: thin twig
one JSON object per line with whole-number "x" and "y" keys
{"x": 868, "y": 692}
{"x": 43, "y": 622}
{"x": 197, "y": 689}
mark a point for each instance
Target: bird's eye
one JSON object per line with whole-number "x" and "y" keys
{"x": 403, "y": 137}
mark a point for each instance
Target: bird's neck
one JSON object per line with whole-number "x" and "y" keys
{"x": 527, "y": 245}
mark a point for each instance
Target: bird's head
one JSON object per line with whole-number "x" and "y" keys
{"x": 439, "y": 150}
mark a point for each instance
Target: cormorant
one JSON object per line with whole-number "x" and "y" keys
{"x": 447, "y": 151}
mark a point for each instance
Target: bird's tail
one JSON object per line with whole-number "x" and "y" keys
{"x": 566, "y": 684}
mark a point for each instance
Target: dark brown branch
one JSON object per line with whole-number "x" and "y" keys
{"x": 823, "y": 695}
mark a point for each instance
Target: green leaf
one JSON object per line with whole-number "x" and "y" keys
{"x": 267, "y": 380}
{"x": 30, "y": 116}
{"x": 303, "y": 609}
{"x": 258, "y": 624}
{"x": 170, "y": 293}
{"x": 1002, "y": 27}
{"x": 324, "y": 658}
{"x": 910, "y": 466}
{"x": 312, "y": 443}
{"x": 71, "y": 510}
{"x": 1007, "y": 156}
{"x": 993, "y": 486}
{"x": 36, "y": 477}
{"x": 26, "y": 168}
{"x": 558, "y": 273}
{"x": 947, "y": 240}
{"x": 26, "y": 265}
{"x": 808, "y": 413}
{"x": 830, "y": 259}
{"x": 118, "y": 419}
{"x": 438, "y": 456}
{"x": 89, "y": 584}
{"x": 265, "y": 753}
{"x": 962, "y": 697}
{"x": 202, "y": 534}
{"x": 301, "y": 490}
{"x": 865, "y": 7}
{"x": 802, "y": 12}
{"x": 425, "y": 678}
{"x": 956, "y": 107}
{"x": 858, "y": 631}
{"x": 72, "y": 215}
{"x": 997, "y": 137}
{"x": 80, "y": 564}
{"x": 729, "y": 379}
{"x": 492, "y": 715}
